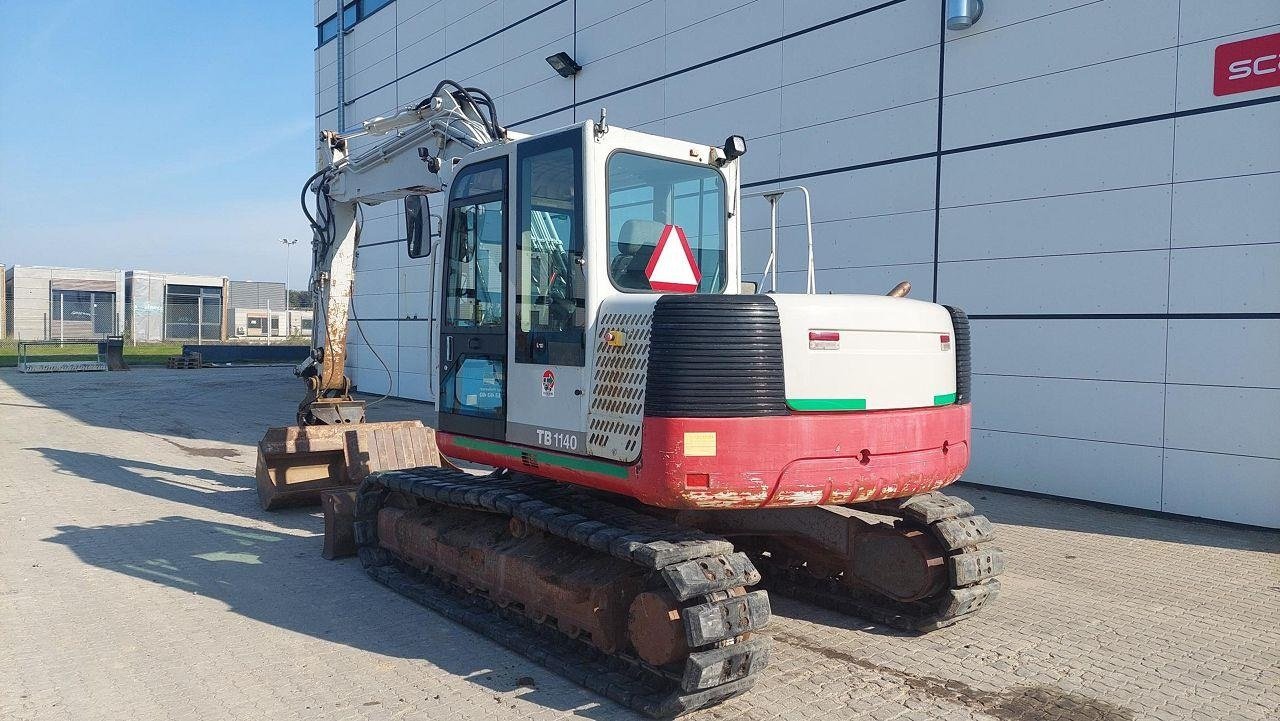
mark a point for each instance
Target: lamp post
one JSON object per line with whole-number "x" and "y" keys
{"x": 287, "y": 325}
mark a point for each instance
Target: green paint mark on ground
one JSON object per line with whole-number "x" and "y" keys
{"x": 828, "y": 404}
{"x": 945, "y": 399}
{"x": 551, "y": 459}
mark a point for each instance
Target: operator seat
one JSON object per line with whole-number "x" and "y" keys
{"x": 637, "y": 241}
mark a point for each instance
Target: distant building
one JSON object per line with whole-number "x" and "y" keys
{"x": 49, "y": 303}
{"x": 260, "y": 310}
{"x": 172, "y": 306}
{"x": 4, "y": 306}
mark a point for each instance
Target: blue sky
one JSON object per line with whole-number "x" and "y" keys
{"x": 169, "y": 135}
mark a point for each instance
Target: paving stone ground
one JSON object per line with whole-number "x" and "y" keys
{"x": 139, "y": 580}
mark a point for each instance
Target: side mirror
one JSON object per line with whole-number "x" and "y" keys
{"x": 749, "y": 287}
{"x": 417, "y": 225}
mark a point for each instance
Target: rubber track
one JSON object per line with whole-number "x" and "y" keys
{"x": 931, "y": 511}
{"x": 694, "y": 565}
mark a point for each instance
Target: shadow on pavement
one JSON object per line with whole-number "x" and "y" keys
{"x": 281, "y": 580}
{"x": 225, "y": 492}
{"x": 1078, "y": 516}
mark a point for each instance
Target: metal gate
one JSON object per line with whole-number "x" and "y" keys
{"x": 192, "y": 312}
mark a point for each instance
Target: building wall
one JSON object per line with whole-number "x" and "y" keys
{"x": 146, "y": 302}
{"x": 4, "y": 306}
{"x": 1062, "y": 170}
{"x": 31, "y": 315}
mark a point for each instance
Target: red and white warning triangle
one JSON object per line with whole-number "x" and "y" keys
{"x": 672, "y": 268}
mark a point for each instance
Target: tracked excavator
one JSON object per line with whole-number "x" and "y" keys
{"x": 661, "y": 436}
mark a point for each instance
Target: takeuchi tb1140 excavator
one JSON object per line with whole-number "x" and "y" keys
{"x": 662, "y": 435}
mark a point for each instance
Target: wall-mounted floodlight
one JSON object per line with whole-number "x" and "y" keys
{"x": 564, "y": 64}
{"x": 962, "y": 14}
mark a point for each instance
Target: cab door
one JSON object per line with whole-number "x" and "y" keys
{"x": 548, "y": 379}
{"x": 473, "y": 318}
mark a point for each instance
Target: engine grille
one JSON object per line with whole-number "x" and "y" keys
{"x": 616, "y": 416}
{"x": 715, "y": 356}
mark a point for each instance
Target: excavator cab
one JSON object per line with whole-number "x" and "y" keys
{"x": 542, "y": 231}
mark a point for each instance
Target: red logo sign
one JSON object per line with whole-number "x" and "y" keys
{"x": 548, "y": 383}
{"x": 672, "y": 267}
{"x": 1246, "y": 65}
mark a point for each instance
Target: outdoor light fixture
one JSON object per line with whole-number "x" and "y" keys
{"x": 962, "y": 14}
{"x": 564, "y": 64}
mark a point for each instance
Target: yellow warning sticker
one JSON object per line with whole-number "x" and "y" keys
{"x": 699, "y": 444}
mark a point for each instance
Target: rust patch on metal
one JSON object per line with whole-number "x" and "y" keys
{"x": 339, "y": 517}
{"x": 587, "y": 594}
{"x": 655, "y": 629}
{"x": 296, "y": 463}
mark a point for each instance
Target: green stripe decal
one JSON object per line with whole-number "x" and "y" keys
{"x": 944, "y": 400}
{"x": 828, "y": 404}
{"x": 551, "y": 459}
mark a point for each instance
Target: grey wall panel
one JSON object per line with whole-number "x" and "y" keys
{"x": 535, "y": 100}
{"x": 1129, "y": 282}
{"x": 1130, "y": 219}
{"x": 1203, "y": 20}
{"x": 801, "y": 15}
{"x": 378, "y": 257}
{"x": 1132, "y": 350}
{"x": 1118, "y": 158}
{"x": 627, "y": 29}
{"x": 632, "y": 108}
{"x": 900, "y": 28}
{"x": 744, "y": 75}
{"x": 1115, "y": 411}
{"x": 1233, "y": 279}
{"x": 1087, "y": 34}
{"x": 1230, "y": 488}
{"x": 714, "y": 123}
{"x": 1227, "y": 211}
{"x": 872, "y": 281}
{"x": 1134, "y": 87}
{"x": 1225, "y": 352}
{"x": 899, "y": 239}
{"x": 883, "y": 135}
{"x": 1241, "y": 421}
{"x": 597, "y": 11}
{"x": 897, "y": 188}
{"x": 891, "y": 82}
{"x": 881, "y": 240}
{"x": 1108, "y": 472}
{"x": 1232, "y": 142}
{"x": 752, "y": 24}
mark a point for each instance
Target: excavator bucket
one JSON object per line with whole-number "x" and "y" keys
{"x": 297, "y": 463}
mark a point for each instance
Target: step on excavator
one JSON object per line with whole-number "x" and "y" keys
{"x": 662, "y": 436}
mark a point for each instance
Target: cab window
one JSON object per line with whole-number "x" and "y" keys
{"x": 646, "y": 195}
{"x": 474, "y": 283}
{"x": 550, "y": 284}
